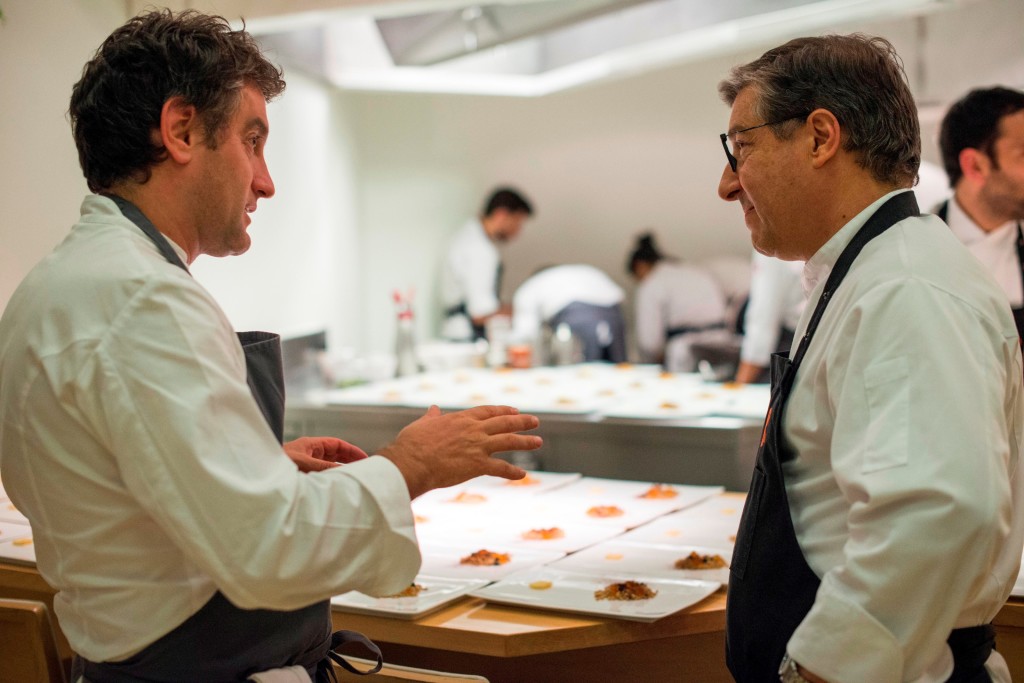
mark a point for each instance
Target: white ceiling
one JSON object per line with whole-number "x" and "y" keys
{"x": 529, "y": 47}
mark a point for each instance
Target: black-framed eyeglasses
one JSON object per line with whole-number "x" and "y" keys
{"x": 727, "y": 137}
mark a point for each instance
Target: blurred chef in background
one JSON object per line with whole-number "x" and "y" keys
{"x": 471, "y": 274}
{"x": 982, "y": 142}
{"x": 777, "y": 300}
{"x": 677, "y": 305}
{"x": 581, "y": 296}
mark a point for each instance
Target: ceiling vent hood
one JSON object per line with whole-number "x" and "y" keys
{"x": 534, "y": 48}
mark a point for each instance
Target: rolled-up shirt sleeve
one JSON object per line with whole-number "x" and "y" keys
{"x": 920, "y": 451}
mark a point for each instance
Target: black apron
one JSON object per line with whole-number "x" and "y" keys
{"x": 584, "y": 320}
{"x": 771, "y": 586}
{"x": 1018, "y": 313}
{"x": 222, "y": 643}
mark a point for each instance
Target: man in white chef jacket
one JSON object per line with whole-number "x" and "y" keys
{"x": 183, "y": 543}
{"x": 883, "y": 529}
{"x": 471, "y": 272}
{"x": 579, "y": 295}
{"x": 773, "y": 309}
{"x": 982, "y": 143}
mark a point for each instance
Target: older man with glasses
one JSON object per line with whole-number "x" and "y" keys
{"x": 883, "y": 529}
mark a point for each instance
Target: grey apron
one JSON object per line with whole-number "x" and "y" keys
{"x": 222, "y": 643}
{"x": 771, "y": 586}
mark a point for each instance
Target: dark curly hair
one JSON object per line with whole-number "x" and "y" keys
{"x": 116, "y": 105}
{"x": 973, "y": 122}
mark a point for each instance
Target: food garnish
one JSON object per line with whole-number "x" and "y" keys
{"x": 605, "y": 511}
{"x": 467, "y": 497}
{"x": 659, "y": 491}
{"x": 626, "y": 590}
{"x": 412, "y": 591}
{"x": 543, "y": 534}
{"x": 697, "y": 561}
{"x": 485, "y": 558}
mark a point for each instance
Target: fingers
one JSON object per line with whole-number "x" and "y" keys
{"x": 338, "y": 450}
{"x": 506, "y": 470}
{"x": 485, "y": 412}
{"x": 510, "y": 423}
{"x": 433, "y": 411}
{"x": 513, "y": 442}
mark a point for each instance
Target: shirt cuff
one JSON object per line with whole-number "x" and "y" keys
{"x": 832, "y": 639}
{"x": 385, "y": 482}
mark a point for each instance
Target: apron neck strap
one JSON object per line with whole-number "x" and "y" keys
{"x": 132, "y": 213}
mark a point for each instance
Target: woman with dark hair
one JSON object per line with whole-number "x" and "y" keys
{"x": 676, "y": 306}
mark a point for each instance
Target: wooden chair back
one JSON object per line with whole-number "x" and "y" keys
{"x": 28, "y": 644}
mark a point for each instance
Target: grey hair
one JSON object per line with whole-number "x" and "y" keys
{"x": 860, "y": 79}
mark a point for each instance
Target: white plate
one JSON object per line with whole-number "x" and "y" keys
{"x": 615, "y": 556}
{"x": 719, "y": 508}
{"x": 487, "y": 486}
{"x": 497, "y": 532}
{"x": 609, "y": 511}
{"x": 438, "y": 593}
{"x": 446, "y": 562}
{"x": 18, "y": 552}
{"x": 574, "y": 592}
{"x": 678, "y": 530}
{"x": 12, "y": 530}
{"x": 9, "y": 513}
{"x": 621, "y": 491}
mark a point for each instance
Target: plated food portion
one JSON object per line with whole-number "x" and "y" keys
{"x": 663, "y": 561}
{"x": 623, "y": 596}
{"x": 491, "y": 562}
{"x": 425, "y": 595}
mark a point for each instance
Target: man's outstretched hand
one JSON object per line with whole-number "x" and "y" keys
{"x": 441, "y": 450}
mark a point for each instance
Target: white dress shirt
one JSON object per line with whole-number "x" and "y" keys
{"x": 906, "y": 491}
{"x": 542, "y": 296}
{"x": 130, "y": 440}
{"x": 997, "y": 250}
{"x": 675, "y": 295}
{"x": 469, "y": 276}
{"x": 776, "y": 301}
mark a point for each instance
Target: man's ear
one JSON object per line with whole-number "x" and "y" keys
{"x": 826, "y": 134}
{"x": 180, "y": 131}
{"x": 974, "y": 164}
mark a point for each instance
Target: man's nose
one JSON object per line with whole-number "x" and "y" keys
{"x": 729, "y": 184}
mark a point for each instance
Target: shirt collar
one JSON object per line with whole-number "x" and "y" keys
{"x": 819, "y": 266}
{"x": 964, "y": 227}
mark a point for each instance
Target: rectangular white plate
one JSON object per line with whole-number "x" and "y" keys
{"x": 595, "y": 488}
{"x": 615, "y": 556}
{"x": 18, "y": 552}
{"x": 574, "y": 592}
{"x": 12, "y": 530}
{"x": 439, "y": 560}
{"x": 495, "y": 532}
{"x": 9, "y": 513}
{"x": 438, "y": 593}
{"x": 679, "y": 530}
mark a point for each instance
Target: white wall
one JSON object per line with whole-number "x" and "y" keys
{"x": 43, "y": 46}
